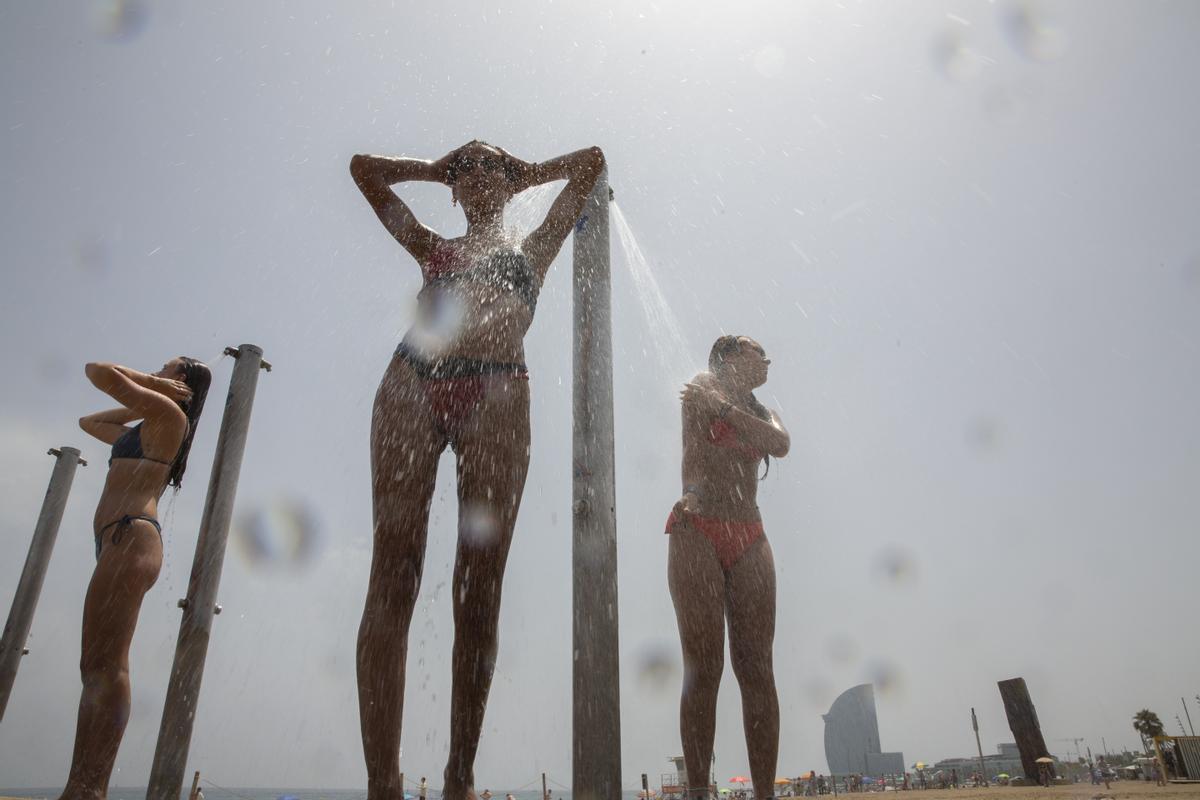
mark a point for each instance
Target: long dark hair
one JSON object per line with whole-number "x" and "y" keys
{"x": 722, "y": 348}
{"x": 198, "y": 378}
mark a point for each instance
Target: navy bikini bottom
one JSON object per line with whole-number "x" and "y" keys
{"x": 121, "y": 524}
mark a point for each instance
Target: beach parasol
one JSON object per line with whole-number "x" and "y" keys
{"x": 782, "y": 781}
{"x": 1044, "y": 760}
{"x": 739, "y": 779}
{"x": 648, "y": 794}
{"x": 1002, "y": 775}
{"x": 725, "y": 791}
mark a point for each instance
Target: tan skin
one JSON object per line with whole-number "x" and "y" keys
{"x": 126, "y": 568}
{"x": 492, "y": 448}
{"x": 705, "y": 597}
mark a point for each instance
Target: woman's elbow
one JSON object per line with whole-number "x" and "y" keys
{"x": 596, "y": 160}
{"x": 358, "y": 166}
{"x": 782, "y": 447}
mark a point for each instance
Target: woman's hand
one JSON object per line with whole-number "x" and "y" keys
{"x": 523, "y": 174}
{"x": 173, "y": 389}
{"x": 684, "y": 506}
{"x": 705, "y": 399}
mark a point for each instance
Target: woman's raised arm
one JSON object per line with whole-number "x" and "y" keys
{"x": 580, "y": 169}
{"x": 108, "y": 426}
{"x": 148, "y": 397}
{"x": 374, "y": 176}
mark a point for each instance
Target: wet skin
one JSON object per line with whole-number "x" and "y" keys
{"x": 126, "y": 568}
{"x": 721, "y": 484}
{"x": 491, "y": 446}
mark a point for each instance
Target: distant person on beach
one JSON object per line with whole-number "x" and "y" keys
{"x": 146, "y": 458}
{"x": 421, "y": 790}
{"x": 720, "y": 568}
{"x": 458, "y": 378}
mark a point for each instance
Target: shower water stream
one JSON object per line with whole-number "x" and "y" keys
{"x": 664, "y": 339}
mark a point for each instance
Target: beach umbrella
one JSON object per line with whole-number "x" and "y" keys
{"x": 782, "y": 781}
{"x": 739, "y": 779}
{"x": 1002, "y": 775}
{"x": 726, "y": 791}
{"x": 1044, "y": 760}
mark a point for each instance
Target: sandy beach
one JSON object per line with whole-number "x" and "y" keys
{"x": 1141, "y": 790}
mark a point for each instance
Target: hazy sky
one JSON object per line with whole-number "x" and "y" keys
{"x": 965, "y": 234}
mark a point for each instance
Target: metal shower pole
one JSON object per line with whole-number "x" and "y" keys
{"x": 29, "y": 588}
{"x": 596, "y": 719}
{"x": 179, "y": 710}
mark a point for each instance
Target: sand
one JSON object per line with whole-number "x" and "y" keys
{"x": 1139, "y": 790}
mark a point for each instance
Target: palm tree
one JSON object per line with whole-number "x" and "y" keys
{"x": 1148, "y": 725}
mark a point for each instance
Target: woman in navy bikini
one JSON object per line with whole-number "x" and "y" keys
{"x": 458, "y": 378}
{"x": 720, "y": 566}
{"x": 146, "y": 458}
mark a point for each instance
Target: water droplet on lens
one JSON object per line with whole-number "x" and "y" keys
{"x": 954, "y": 58}
{"x": 841, "y": 648}
{"x": 120, "y": 20}
{"x": 983, "y": 435}
{"x": 886, "y": 677}
{"x": 1031, "y": 34}
{"x": 656, "y": 665}
{"x": 283, "y": 532}
{"x": 896, "y": 565}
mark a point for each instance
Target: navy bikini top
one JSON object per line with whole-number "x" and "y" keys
{"x": 507, "y": 270}
{"x": 130, "y": 446}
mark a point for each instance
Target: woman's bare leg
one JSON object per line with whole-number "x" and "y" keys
{"x": 751, "y": 609}
{"x": 698, "y": 592}
{"x": 405, "y": 447}
{"x": 125, "y": 572}
{"x": 493, "y": 460}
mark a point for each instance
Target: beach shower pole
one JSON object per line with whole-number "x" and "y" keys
{"x": 179, "y": 710}
{"x": 978, "y": 746}
{"x": 596, "y": 718}
{"x": 29, "y": 587}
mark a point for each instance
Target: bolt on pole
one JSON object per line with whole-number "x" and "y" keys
{"x": 29, "y": 587}
{"x": 596, "y": 719}
{"x": 179, "y": 711}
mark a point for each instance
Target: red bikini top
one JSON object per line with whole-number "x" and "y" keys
{"x": 722, "y": 434}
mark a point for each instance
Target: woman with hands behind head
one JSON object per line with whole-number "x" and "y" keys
{"x": 720, "y": 566}
{"x": 458, "y": 378}
{"x": 146, "y": 458}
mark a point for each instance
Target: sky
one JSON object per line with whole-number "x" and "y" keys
{"x": 963, "y": 232}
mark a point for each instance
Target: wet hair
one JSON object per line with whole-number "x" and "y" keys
{"x": 510, "y": 169}
{"x": 198, "y": 378}
{"x": 723, "y": 348}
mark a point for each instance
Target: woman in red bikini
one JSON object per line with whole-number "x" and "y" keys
{"x": 720, "y": 565}
{"x": 146, "y": 458}
{"x": 458, "y": 378}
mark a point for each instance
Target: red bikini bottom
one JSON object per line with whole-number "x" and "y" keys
{"x": 729, "y": 538}
{"x": 454, "y": 387}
